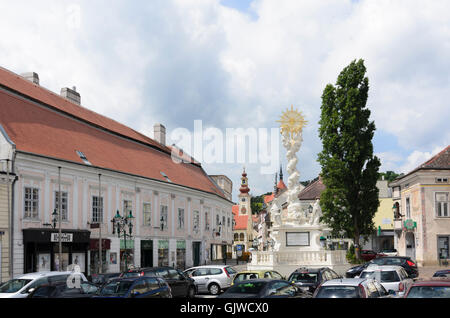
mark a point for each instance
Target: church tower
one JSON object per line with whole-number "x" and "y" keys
{"x": 244, "y": 196}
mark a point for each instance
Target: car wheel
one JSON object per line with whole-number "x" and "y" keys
{"x": 214, "y": 289}
{"x": 191, "y": 292}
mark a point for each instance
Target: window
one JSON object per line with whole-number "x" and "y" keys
{"x": 441, "y": 204}
{"x": 215, "y": 271}
{"x": 147, "y": 211}
{"x": 241, "y": 237}
{"x": 217, "y": 220}
{"x": 441, "y": 180}
{"x": 64, "y": 214}
{"x": 206, "y": 221}
{"x": 408, "y": 209}
{"x": 163, "y": 219}
{"x": 180, "y": 218}
{"x": 127, "y": 207}
{"x": 236, "y": 237}
{"x": 228, "y": 223}
{"x": 97, "y": 209}
{"x": 31, "y": 204}
{"x": 196, "y": 221}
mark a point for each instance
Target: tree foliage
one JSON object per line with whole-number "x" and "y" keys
{"x": 349, "y": 168}
{"x": 389, "y": 175}
{"x": 256, "y": 202}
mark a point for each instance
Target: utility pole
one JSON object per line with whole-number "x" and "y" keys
{"x": 59, "y": 218}
{"x": 100, "y": 225}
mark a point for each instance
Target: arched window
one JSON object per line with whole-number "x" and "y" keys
{"x": 241, "y": 236}
{"x": 236, "y": 237}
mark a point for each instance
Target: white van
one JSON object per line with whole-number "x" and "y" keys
{"x": 21, "y": 286}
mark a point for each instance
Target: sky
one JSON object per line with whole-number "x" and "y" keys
{"x": 240, "y": 63}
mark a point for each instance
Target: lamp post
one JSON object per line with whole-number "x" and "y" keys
{"x": 121, "y": 224}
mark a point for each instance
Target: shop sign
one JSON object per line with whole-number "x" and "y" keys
{"x": 130, "y": 244}
{"x": 65, "y": 237}
{"x": 409, "y": 224}
{"x": 181, "y": 244}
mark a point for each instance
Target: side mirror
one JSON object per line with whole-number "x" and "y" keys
{"x": 29, "y": 291}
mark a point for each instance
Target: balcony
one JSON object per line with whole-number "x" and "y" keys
{"x": 398, "y": 225}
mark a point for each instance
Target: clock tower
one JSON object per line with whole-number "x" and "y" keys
{"x": 244, "y": 196}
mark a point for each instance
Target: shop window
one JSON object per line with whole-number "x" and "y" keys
{"x": 31, "y": 203}
{"x": 441, "y": 203}
{"x": 181, "y": 254}
{"x": 64, "y": 214}
{"x": 97, "y": 209}
{"x": 147, "y": 213}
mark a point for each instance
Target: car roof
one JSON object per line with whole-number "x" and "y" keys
{"x": 208, "y": 266}
{"x": 376, "y": 267}
{"x": 344, "y": 282}
{"x": 43, "y": 274}
{"x": 309, "y": 270}
{"x": 255, "y": 271}
{"x": 438, "y": 281}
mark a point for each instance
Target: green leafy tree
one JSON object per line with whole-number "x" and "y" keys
{"x": 349, "y": 168}
{"x": 389, "y": 175}
{"x": 256, "y": 203}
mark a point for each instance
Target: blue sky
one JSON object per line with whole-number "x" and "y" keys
{"x": 240, "y": 63}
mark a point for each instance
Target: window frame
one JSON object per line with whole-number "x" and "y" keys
{"x": 97, "y": 219}
{"x": 34, "y": 203}
{"x": 439, "y": 204}
{"x": 147, "y": 215}
{"x": 64, "y": 212}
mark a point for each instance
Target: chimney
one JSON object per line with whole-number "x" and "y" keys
{"x": 71, "y": 94}
{"x": 31, "y": 76}
{"x": 159, "y": 133}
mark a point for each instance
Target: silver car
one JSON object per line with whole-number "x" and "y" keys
{"x": 23, "y": 285}
{"x": 211, "y": 278}
{"x": 391, "y": 277}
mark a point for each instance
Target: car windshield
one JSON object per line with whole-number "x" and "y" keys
{"x": 14, "y": 285}
{"x": 131, "y": 274}
{"x": 389, "y": 277}
{"x": 303, "y": 277}
{"x": 119, "y": 288}
{"x": 366, "y": 274}
{"x": 246, "y": 276}
{"x": 387, "y": 261}
{"x": 429, "y": 292}
{"x": 338, "y": 292}
{"x": 247, "y": 288}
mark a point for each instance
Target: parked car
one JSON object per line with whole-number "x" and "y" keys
{"x": 265, "y": 288}
{"x": 135, "y": 287}
{"x": 211, "y": 278}
{"x": 100, "y": 279}
{"x": 434, "y": 288}
{"x": 369, "y": 255}
{"x": 389, "y": 252}
{"x": 62, "y": 290}
{"x": 181, "y": 284}
{"x": 352, "y": 288}
{"x": 406, "y": 262}
{"x": 442, "y": 273}
{"x": 23, "y": 285}
{"x": 356, "y": 270}
{"x": 246, "y": 275}
{"x": 391, "y": 277}
{"x": 309, "y": 278}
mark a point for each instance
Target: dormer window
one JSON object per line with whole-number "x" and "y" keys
{"x": 83, "y": 157}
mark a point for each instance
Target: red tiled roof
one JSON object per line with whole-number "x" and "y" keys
{"x": 281, "y": 185}
{"x": 48, "y": 131}
{"x": 241, "y": 221}
{"x": 439, "y": 161}
{"x": 312, "y": 191}
{"x": 269, "y": 198}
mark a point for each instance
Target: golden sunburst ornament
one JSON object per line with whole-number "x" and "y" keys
{"x": 292, "y": 121}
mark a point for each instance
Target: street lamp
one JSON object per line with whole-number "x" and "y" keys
{"x": 120, "y": 224}
{"x": 55, "y": 218}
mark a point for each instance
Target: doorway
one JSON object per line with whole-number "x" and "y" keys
{"x": 196, "y": 253}
{"x": 410, "y": 245}
{"x": 147, "y": 253}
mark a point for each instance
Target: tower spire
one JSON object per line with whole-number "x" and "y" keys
{"x": 281, "y": 173}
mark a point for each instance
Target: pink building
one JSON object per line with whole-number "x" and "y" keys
{"x": 99, "y": 167}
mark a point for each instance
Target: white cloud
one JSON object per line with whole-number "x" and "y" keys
{"x": 176, "y": 61}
